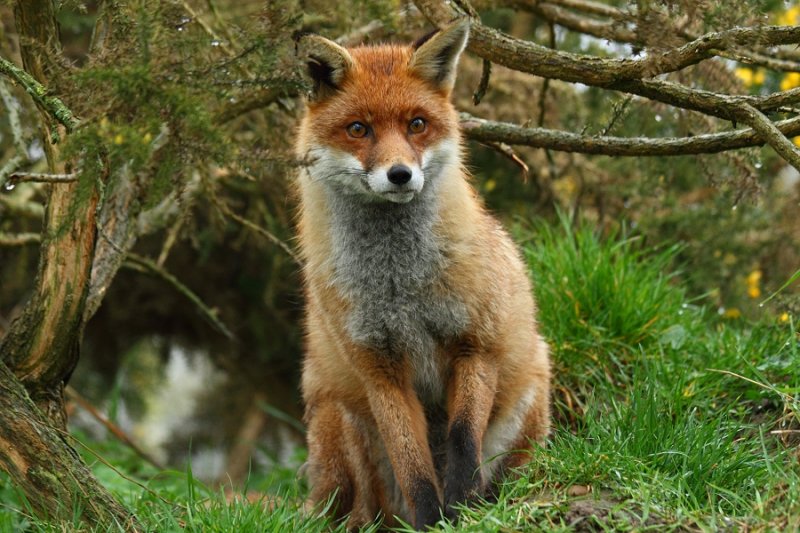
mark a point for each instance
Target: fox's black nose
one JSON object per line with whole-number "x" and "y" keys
{"x": 399, "y": 174}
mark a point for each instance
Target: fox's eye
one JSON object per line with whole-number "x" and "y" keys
{"x": 417, "y": 125}
{"x": 357, "y": 130}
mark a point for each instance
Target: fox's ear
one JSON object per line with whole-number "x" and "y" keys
{"x": 436, "y": 56}
{"x": 327, "y": 62}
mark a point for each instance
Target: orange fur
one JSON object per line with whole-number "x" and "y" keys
{"x": 371, "y": 430}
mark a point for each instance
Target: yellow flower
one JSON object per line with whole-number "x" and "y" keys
{"x": 489, "y": 185}
{"x": 733, "y": 312}
{"x": 790, "y": 17}
{"x": 745, "y": 74}
{"x": 790, "y": 81}
{"x": 119, "y": 139}
{"x": 784, "y": 317}
{"x": 754, "y": 283}
{"x": 749, "y": 76}
{"x": 796, "y": 141}
{"x": 147, "y": 138}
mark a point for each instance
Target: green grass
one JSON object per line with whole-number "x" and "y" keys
{"x": 668, "y": 417}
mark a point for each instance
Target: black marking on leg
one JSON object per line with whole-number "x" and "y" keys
{"x": 462, "y": 477}
{"x": 425, "y": 500}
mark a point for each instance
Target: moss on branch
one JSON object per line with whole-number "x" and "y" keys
{"x": 52, "y": 105}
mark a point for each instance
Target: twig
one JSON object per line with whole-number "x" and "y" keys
{"x": 618, "y": 111}
{"x": 357, "y": 36}
{"x": 546, "y": 81}
{"x": 117, "y": 471}
{"x": 225, "y": 28}
{"x": 19, "y": 206}
{"x": 52, "y": 105}
{"x": 142, "y": 263}
{"x": 20, "y": 177}
{"x": 509, "y": 152}
{"x": 588, "y": 6}
{"x": 19, "y": 239}
{"x": 114, "y": 429}
{"x": 483, "y": 85}
{"x": 489, "y": 131}
{"x": 258, "y": 229}
{"x": 208, "y": 29}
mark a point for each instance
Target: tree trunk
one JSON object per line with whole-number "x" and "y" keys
{"x": 42, "y": 346}
{"x": 52, "y": 475}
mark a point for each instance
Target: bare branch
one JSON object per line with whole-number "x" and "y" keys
{"x": 610, "y": 30}
{"x": 143, "y": 264}
{"x": 115, "y": 430}
{"x": 20, "y": 177}
{"x": 258, "y": 229}
{"x": 21, "y": 206}
{"x": 488, "y": 131}
{"x": 19, "y": 239}
{"x": 588, "y": 6}
{"x": 771, "y": 134}
{"x": 483, "y": 85}
{"x": 625, "y": 74}
{"x": 357, "y": 35}
{"x": 530, "y": 57}
{"x": 554, "y": 11}
{"x": 507, "y": 151}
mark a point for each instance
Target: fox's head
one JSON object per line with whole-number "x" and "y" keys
{"x": 380, "y": 124}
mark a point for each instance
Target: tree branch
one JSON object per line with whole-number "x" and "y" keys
{"x": 621, "y": 74}
{"x": 112, "y": 428}
{"x": 52, "y": 105}
{"x": 555, "y": 12}
{"x": 144, "y": 264}
{"x": 19, "y": 239}
{"x": 769, "y": 133}
{"x": 488, "y": 131}
{"x": 628, "y": 76}
{"x": 530, "y": 57}
{"x": 20, "y": 177}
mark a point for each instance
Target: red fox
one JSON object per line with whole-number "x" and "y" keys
{"x": 425, "y": 377}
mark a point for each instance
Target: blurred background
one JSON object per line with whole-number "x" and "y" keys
{"x": 215, "y": 383}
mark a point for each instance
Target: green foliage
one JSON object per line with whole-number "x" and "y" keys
{"x": 599, "y": 299}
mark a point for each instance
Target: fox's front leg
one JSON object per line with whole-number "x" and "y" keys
{"x": 402, "y": 427}
{"x": 471, "y": 392}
